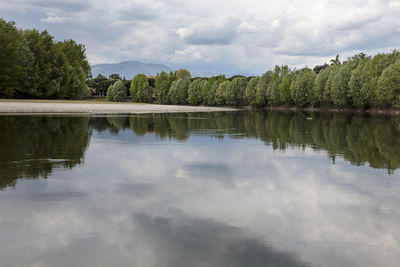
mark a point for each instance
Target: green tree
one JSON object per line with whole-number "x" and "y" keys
{"x": 302, "y": 86}
{"x": 178, "y": 92}
{"x": 318, "y": 94}
{"x": 110, "y": 93}
{"x": 195, "y": 96}
{"x": 284, "y": 89}
{"x": 139, "y": 85}
{"x": 262, "y": 86}
{"x": 359, "y": 89}
{"x": 163, "y": 84}
{"x": 340, "y": 86}
{"x": 273, "y": 94}
{"x": 144, "y": 93}
{"x": 210, "y": 97}
{"x": 119, "y": 91}
{"x": 327, "y": 98}
{"x": 182, "y": 74}
{"x": 251, "y": 91}
{"x": 220, "y": 95}
{"x": 10, "y": 69}
{"x": 388, "y": 89}
{"x": 235, "y": 94}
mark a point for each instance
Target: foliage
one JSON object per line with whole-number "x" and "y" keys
{"x": 262, "y": 86}
{"x": 284, "y": 89}
{"x": 163, "y": 83}
{"x": 221, "y": 93}
{"x": 359, "y": 89}
{"x": 251, "y": 91}
{"x": 178, "y": 92}
{"x": 110, "y": 93}
{"x": 195, "y": 96}
{"x": 301, "y": 87}
{"x": 210, "y": 97}
{"x": 235, "y": 94}
{"x": 182, "y": 74}
{"x": 139, "y": 87}
{"x": 33, "y": 65}
{"x": 119, "y": 91}
{"x": 388, "y": 90}
{"x": 318, "y": 94}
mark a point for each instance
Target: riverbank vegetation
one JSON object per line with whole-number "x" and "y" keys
{"x": 360, "y": 82}
{"x": 34, "y": 65}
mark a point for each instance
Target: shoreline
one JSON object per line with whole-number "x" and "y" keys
{"x": 41, "y": 106}
{"x": 373, "y": 111}
{"x": 92, "y": 107}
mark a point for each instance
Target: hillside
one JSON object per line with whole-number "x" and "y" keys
{"x": 128, "y": 69}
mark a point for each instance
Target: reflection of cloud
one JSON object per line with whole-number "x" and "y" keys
{"x": 209, "y": 170}
{"x": 293, "y": 200}
{"x": 135, "y": 190}
{"x": 200, "y": 242}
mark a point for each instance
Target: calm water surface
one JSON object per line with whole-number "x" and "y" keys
{"x": 214, "y": 189}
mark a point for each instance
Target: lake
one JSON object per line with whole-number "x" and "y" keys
{"x": 203, "y": 189}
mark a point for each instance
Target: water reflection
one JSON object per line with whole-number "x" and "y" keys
{"x": 359, "y": 139}
{"x": 32, "y": 146}
{"x": 218, "y": 189}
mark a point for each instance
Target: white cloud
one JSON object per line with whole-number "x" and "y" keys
{"x": 53, "y": 19}
{"x": 254, "y": 35}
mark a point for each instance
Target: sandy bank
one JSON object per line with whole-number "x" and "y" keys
{"x": 44, "y": 106}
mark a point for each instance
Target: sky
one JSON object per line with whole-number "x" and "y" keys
{"x": 217, "y": 36}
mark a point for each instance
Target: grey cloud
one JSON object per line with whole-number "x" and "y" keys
{"x": 216, "y": 35}
{"x": 210, "y": 34}
{"x": 71, "y": 5}
{"x": 184, "y": 241}
{"x": 208, "y": 170}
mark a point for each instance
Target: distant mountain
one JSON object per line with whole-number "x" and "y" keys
{"x": 128, "y": 69}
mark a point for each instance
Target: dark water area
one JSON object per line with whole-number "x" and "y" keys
{"x": 203, "y": 189}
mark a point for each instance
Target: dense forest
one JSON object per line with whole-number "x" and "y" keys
{"x": 34, "y": 65}
{"x": 359, "y": 82}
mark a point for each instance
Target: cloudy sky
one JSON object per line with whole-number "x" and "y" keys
{"x": 216, "y": 36}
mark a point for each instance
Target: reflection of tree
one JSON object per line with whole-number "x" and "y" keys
{"x": 357, "y": 138}
{"x": 31, "y": 146}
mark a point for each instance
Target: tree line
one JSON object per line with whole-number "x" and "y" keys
{"x": 360, "y": 81}
{"x": 34, "y": 65}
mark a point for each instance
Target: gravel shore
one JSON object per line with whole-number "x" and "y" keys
{"x": 42, "y": 106}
